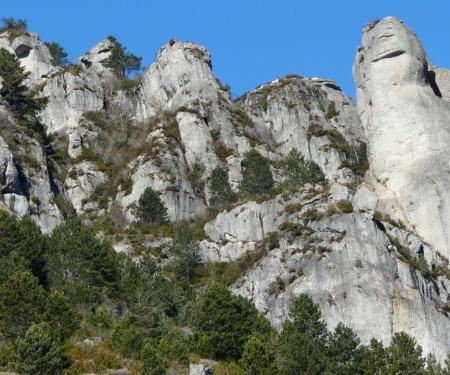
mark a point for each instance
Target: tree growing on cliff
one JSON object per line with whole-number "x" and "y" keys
{"x": 59, "y": 55}
{"x": 256, "y": 174}
{"x": 21, "y": 101}
{"x": 120, "y": 61}
{"x": 297, "y": 171}
{"x": 220, "y": 189}
{"x": 151, "y": 209}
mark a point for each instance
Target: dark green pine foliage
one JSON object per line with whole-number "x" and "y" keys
{"x": 186, "y": 252}
{"x": 120, "y": 61}
{"x": 81, "y": 266}
{"x": 344, "y": 351}
{"x": 297, "y": 171}
{"x": 21, "y": 101}
{"x": 220, "y": 189}
{"x": 404, "y": 356}
{"x": 222, "y": 323}
{"x": 258, "y": 357}
{"x": 151, "y": 209}
{"x": 59, "y": 55}
{"x": 40, "y": 353}
{"x": 21, "y": 304}
{"x": 374, "y": 358}
{"x": 302, "y": 343}
{"x": 256, "y": 174}
{"x": 61, "y": 316}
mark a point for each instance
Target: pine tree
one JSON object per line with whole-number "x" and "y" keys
{"x": 39, "y": 353}
{"x": 344, "y": 351}
{"x": 21, "y": 101}
{"x": 302, "y": 343}
{"x": 258, "y": 357}
{"x": 404, "y": 356}
{"x": 21, "y": 304}
{"x": 59, "y": 55}
{"x": 256, "y": 174}
{"x": 220, "y": 189}
{"x": 222, "y": 323}
{"x": 151, "y": 209}
{"x": 60, "y": 315}
{"x": 297, "y": 171}
{"x": 120, "y": 61}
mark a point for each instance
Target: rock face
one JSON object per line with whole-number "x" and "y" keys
{"x": 368, "y": 244}
{"x": 406, "y": 117}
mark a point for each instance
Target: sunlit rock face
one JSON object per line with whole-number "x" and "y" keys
{"x": 407, "y": 125}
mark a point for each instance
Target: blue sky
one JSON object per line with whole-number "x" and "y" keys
{"x": 251, "y": 41}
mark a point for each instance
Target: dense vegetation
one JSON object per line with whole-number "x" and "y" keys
{"x": 59, "y": 292}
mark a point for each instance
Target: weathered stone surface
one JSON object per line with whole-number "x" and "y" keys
{"x": 348, "y": 265}
{"x": 200, "y": 369}
{"x": 407, "y": 128}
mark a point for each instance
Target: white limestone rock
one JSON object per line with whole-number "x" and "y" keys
{"x": 407, "y": 128}
{"x": 82, "y": 180}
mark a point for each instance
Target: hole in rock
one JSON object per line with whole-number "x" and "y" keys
{"x": 23, "y": 51}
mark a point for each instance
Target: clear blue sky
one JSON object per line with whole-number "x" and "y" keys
{"x": 251, "y": 41}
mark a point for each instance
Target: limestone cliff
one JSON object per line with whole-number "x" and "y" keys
{"x": 177, "y": 122}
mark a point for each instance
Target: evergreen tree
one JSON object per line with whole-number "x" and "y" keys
{"x": 25, "y": 239}
{"x": 121, "y": 61}
{"x": 302, "y": 343}
{"x": 39, "y": 353}
{"x": 60, "y": 315}
{"x": 151, "y": 209}
{"x": 21, "y": 304}
{"x": 222, "y": 323}
{"x": 220, "y": 189}
{"x": 374, "y": 358}
{"x": 151, "y": 362}
{"x": 59, "y": 55}
{"x": 258, "y": 357}
{"x": 21, "y": 101}
{"x": 256, "y": 174}
{"x": 186, "y": 252}
{"x": 80, "y": 265}
{"x": 404, "y": 356}
{"x": 345, "y": 352}
{"x": 297, "y": 171}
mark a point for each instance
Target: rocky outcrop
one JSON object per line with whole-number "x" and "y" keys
{"x": 350, "y": 264}
{"x": 313, "y": 116}
{"x": 407, "y": 124}
{"x": 367, "y": 245}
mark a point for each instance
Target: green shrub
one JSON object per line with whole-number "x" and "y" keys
{"x": 221, "y": 194}
{"x": 151, "y": 209}
{"x": 331, "y": 112}
{"x": 256, "y": 174}
{"x": 297, "y": 171}
{"x": 345, "y": 206}
{"x": 14, "y": 27}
